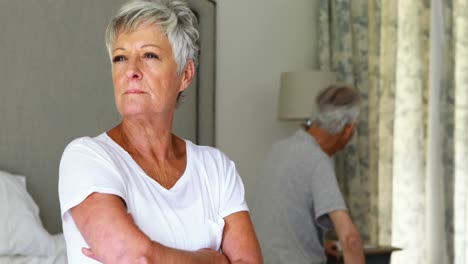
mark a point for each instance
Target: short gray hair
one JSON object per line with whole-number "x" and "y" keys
{"x": 337, "y": 106}
{"x": 175, "y": 19}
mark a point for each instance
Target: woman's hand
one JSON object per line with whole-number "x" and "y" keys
{"x": 90, "y": 254}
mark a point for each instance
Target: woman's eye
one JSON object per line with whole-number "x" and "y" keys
{"x": 118, "y": 58}
{"x": 151, "y": 56}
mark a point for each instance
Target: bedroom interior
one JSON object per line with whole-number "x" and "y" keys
{"x": 56, "y": 86}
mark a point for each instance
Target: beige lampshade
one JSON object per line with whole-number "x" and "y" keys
{"x": 298, "y": 91}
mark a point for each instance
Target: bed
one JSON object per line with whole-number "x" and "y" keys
{"x": 60, "y": 258}
{"x": 23, "y": 238}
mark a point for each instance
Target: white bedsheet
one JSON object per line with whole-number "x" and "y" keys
{"x": 59, "y": 259}
{"x": 59, "y": 255}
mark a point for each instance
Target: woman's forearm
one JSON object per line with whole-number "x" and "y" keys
{"x": 163, "y": 254}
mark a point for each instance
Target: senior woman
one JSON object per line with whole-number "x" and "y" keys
{"x": 138, "y": 193}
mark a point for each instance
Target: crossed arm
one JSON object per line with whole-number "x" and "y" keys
{"x": 114, "y": 238}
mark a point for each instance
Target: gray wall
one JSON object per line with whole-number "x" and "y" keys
{"x": 256, "y": 41}
{"x": 55, "y": 86}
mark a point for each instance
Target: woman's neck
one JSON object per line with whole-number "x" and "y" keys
{"x": 153, "y": 147}
{"x": 146, "y": 139}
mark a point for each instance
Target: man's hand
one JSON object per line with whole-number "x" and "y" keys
{"x": 331, "y": 249}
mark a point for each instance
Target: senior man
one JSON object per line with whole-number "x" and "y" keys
{"x": 297, "y": 195}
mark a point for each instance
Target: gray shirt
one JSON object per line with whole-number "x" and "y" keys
{"x": 293, "y": 197}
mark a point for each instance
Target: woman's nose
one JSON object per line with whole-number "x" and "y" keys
{"x": 133, "y": 70}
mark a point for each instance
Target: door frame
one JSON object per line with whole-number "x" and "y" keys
{"x": 205, "y": 10}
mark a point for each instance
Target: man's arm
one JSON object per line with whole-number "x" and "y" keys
{"x": 349, "y": 237}
{"x": 112, "y": 236}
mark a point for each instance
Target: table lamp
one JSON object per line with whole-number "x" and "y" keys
{"x": 298, "y": 91}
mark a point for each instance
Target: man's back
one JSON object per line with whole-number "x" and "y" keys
{"x": 292, "y": 198}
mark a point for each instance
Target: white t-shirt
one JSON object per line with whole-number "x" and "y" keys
{"x": 188, "y": 216}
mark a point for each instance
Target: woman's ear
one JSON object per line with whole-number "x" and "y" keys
{"x": 187, "y": 75}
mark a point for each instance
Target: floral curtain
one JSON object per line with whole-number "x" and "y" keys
{"x": 405, "y": 174}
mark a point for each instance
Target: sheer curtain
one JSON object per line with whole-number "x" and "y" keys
{"x": 405, "y": 175}
{"x": 458, "y": 93}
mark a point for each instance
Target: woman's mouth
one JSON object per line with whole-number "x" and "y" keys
{"x": 134, "y": 91}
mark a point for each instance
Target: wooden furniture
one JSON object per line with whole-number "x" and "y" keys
{"x": 374, "y": 254}
{"x": 379, "y": 254}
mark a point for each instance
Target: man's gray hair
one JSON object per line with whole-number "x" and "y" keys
{"x": 175, "y": 19}
{"x": 337, "y": 106}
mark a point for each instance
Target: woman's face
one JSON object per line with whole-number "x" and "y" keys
{"x": 144, "y": 73}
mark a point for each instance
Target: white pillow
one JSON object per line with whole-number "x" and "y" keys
{"x": 21, "y": 230}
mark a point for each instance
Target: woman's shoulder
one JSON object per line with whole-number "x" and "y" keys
{"x": 86, "y": 143}
{"x": 206, "y": 152}
{"x": 211, "y": 162}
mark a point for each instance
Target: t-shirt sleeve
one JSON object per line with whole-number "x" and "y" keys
{"x": 326, "y": 194}
{"x": 84, "y": 169}
{"x": 232, "y": 194}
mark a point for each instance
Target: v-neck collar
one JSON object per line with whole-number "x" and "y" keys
{"x": 179, "y": 183}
